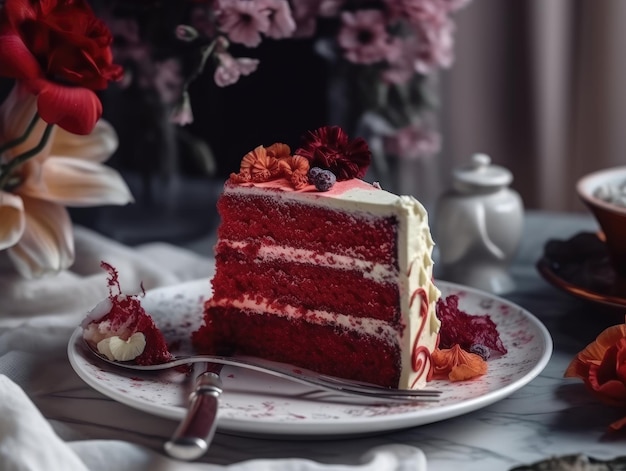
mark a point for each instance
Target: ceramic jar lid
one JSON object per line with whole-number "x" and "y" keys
{"x": 479, "y": 175}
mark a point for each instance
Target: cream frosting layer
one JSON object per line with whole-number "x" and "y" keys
{"x": 365, "y": 325}
{"x": 379, "y": 272}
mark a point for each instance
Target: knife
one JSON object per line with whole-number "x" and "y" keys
{"x": 195, "y": 433}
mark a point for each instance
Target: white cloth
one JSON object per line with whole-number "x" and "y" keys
{"x": 51, "y": 420}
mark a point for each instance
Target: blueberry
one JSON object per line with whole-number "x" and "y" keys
{"x": 324, "y": 180}
{"x": 314, "y": 172}
{"x": 480, "y": 350}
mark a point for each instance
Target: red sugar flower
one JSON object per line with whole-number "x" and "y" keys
{"x": 330, "y": 148}
{"x": 602, "y": 367}
{"x": 61, "y": 52}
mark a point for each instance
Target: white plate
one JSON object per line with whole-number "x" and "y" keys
{"x": 254, "y": 403}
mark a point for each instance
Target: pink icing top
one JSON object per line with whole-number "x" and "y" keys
{"x": 282, "y": 184}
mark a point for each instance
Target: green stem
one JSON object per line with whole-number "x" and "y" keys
{"x": 10, "y": 166}
{"x": 18, "y": 140}
{"x": 205, "y": 53}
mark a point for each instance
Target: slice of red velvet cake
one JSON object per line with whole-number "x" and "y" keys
{"x": 337, "y": 281}
{"x": 119, "y": 328}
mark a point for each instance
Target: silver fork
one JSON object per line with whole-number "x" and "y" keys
{"x": 349, "y": 388}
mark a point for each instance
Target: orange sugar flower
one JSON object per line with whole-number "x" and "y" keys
{"x": 602, "y": 367}
{"x": 259, "y": 165}
{"x": 279, "y": 151}
{"x": 457, "y": 365}
{"x": 296, "y": 170}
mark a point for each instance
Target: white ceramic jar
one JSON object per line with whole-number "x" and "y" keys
{"x": 478, "y": 226}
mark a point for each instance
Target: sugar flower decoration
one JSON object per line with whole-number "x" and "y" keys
{"x": 330, "y": 148}
{"x": 61, "y": 53}
{"x": 456, "y": 364}
{"x": 602, "y": 367}
{"x": 264, "y": 164}
{"x": 65, "y": 170}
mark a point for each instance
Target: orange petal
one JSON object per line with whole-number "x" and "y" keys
{"x": 457, "y": 364}
{"x": 464, "y": 372}
{"x": 239, "y": 177}
{"x": 279, "y": 150}
{"x": 595, "y": 351}
{"x": 259, "y": 165}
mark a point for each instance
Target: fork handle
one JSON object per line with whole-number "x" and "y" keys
{"x": 195, "y": 433}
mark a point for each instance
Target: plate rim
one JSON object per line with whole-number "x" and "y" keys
{"x": 325, "y": 427}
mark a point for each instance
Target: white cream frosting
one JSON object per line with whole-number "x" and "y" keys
{"x": 415, "y": 264}
{"x": 380, "y": 272}
{"x": 368, "y": 326}
{"x": 118, "y": 349}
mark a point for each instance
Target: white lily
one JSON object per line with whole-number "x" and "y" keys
{"x": 35, "y": 227}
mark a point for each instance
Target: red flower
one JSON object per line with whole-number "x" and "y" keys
{"x": 329, "y": 148}
{"x": 602, "y": 367}
{"x": 61, "y": 52}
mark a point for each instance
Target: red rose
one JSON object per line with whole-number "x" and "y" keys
{"x": 329, "y": 148}
{"x": 61, "y": 52}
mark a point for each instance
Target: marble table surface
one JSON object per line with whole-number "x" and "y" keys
{"x": 548, "y": 417}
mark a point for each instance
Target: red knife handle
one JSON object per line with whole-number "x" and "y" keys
{"x": 193, "y": 436}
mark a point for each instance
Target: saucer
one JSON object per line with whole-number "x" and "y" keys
{"x": 580, "y": 266}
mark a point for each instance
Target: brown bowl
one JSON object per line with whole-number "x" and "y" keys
{"x": 611, "y": 216}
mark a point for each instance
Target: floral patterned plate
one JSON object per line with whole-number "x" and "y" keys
{"x": 254, "y": 403}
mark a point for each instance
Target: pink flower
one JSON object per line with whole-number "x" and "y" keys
{"x": 244, "y": 20}
{"x": 364, "y": 38}
{"x": 403, "y": 66}
{"x": 282, "y": 24}
{"x": 412, "y": 142}
{"x": 431, "y": 41}
{"x": 230, "y": 69}
{"x": 435, "y": 45}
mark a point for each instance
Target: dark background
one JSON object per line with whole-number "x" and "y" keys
{"x": 175, "y": 197}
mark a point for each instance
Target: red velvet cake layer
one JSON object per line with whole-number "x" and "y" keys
{"x": 127, "y": 308}
{"x": 307, "y": 286}
{"x": 308, "y": 227}
{"x": 310, "y": 346}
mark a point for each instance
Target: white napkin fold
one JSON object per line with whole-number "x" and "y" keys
{"x": 122, "y": 456}
{"x": 28, "y": 443}
{"x": 84, "y": 284}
